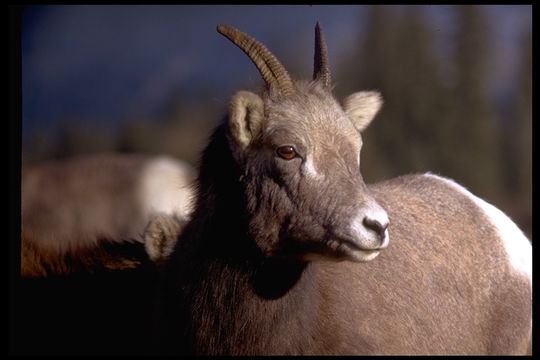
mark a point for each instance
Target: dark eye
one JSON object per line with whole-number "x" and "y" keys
{"x": 286, "y": 152}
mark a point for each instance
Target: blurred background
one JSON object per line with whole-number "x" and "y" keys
{"x": 457, "y": 83}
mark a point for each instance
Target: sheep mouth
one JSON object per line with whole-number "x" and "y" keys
{"x": 350, "y": 250}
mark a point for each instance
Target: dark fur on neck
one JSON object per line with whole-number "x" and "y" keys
{"x": 227, "y": 296}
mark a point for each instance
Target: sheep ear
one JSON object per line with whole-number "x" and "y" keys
{"x": 361, "y": 108}
{"x": 246, "y": 112}
{"x": 160, "y": 236}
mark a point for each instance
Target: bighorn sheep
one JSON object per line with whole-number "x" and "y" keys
{"x": 76, "y": 211}
{"x": 288, "y": 251}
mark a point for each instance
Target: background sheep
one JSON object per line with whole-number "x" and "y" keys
{"x": 70, "y": 208}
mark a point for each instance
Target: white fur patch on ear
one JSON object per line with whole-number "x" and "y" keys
{"x": 245, "y": 116}
{"x": 361, "y": 107}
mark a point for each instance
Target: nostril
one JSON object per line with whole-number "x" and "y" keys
{"x": 375, "y": 225}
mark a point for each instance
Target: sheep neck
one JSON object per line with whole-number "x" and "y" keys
{"x": 235, "y": 299}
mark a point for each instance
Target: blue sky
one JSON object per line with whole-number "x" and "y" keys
{"x": 111, "y": 63}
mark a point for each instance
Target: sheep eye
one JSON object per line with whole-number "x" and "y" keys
{"x": 286, "y": 152}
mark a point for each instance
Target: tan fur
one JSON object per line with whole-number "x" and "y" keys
{"x": 444, "y": 286}
{"x": 431, "y": 292}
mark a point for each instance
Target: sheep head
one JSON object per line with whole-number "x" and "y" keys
{"x": 299, "y": 151}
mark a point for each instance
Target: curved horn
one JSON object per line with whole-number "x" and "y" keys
{"x": 272, "y": 71}
{"x": 321, "y": 70}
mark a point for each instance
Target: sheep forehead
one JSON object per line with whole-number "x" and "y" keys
{"x": 312, "y": 115}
